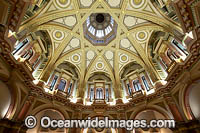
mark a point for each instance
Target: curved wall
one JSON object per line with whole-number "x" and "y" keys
{"x": 194, "y": 100}
{"x": 5, "y": 99}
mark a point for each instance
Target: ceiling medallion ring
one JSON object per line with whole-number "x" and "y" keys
{"x": 76, "y": 58}
{"x": 99, "y": 65}
{"x": 123, "y": 58}
{"x": 63, "y": 3}
{"x": 136, "y": 4}
{"x": 58, "y": 35}
{"x": 142, "y": 35}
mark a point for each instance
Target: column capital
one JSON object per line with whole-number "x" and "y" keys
{"x": 119, "y": 101}
{"x": 79, "y": 100}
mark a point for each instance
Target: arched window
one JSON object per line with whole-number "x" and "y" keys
{"x": 91, "y": 94}
{"x": 145, "y": 83}
{"x": 137, "y": 85}
{"x": 62, "y": 85}
{"x": 20, "y": 45}
{"x": 99, "y": 93}
{"x": 69, "y": 89}
{"x": 180, "y": 47}
{"x": 129, "y": 89}
{"x": 107, "y": 94}
{"x": 28, "y": 54}
{"x": 53, "y": 82}
{"x": 172, "y": 55}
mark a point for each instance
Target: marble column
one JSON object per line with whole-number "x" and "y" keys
{"x": 25, "y": 108}
{"x": 126, "y": 87}
{"x": 72, "y": 88}
{"x": 95, "y": 91}
{"x": 166, "y": 59}
{"x": 148, "y": 80}
{"x": 104, "y": 91}
{"x": 173, "y": 107}
{"x": 76, "y": 115}
{"x": 131, "y": 85}
{"x": 122, "y": 116}
{"x": 33, "y": 59}
{"x": 89, "y": 90}
{"x": 140, "y": 81}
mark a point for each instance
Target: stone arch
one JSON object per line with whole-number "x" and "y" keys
{"x": 53, "y": 113}
{"x": 150, "y": 113}
{"x": 50, "y": 106}
{"x": 15, "y": 90}
{"x": 192, "y": 100}
{"x": 5, "y": 99}
{"x": 152, "y": 107}
{"x": 93, "y": 115}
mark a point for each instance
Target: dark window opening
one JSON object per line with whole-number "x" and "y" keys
{"x": 53, "y": 82}
{"x": 62, "y": 85}
{"x": 145, "y": 83}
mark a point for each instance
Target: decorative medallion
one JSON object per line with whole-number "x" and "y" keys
{"x": 141, "y": 36}
{"x": 100, "y": 65}
{"x": 123, "y": 58}
{"x": 76, "y": 58}
{"x": 137, "y": 3}
{"x": 63, "y": 3}
{"x": 58, "y": 35}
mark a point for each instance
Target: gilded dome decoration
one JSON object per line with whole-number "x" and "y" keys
{"x": 100, "y": 28}
{"x": 88, "y": 59}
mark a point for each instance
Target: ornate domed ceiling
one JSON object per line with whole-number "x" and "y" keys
{"x": 131, "y": 23}
{"x": 100, "y": 28}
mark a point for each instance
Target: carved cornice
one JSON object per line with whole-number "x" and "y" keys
{"x": 184, "y": 14}
{"x": 16, "y": 11}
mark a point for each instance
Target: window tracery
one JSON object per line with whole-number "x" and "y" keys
{"x": 136, "y": 81}
{"x": 99, "y": 88}
{"x": 62, "y": 81}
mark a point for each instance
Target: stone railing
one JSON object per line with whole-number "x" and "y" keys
{"x": 172, "y": 65}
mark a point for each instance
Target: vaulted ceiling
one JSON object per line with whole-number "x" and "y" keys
{"x": 63, "y": 20}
